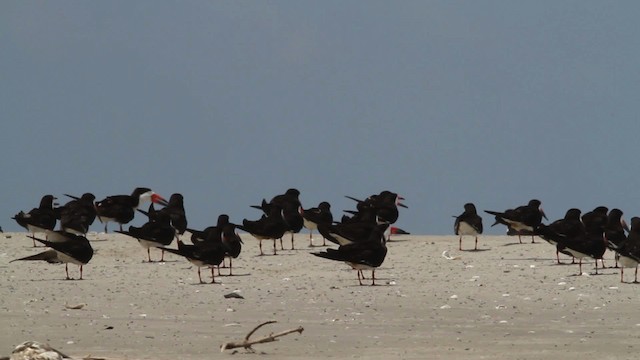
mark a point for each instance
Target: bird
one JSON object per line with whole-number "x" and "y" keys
{"x": 288, "y": 204}
{"x": 569, "y": 227}
{"x": 393, "y": 230}
{"x": 176, "y": 212}
{"x": 595, "y": 222}
{"x": 614, "y": 230}
{"x": 384, "y": 205}
{"x": 580, "y": 246}
{"x": 208, "y": 254}
{"x": 523, "y": 218}
{"x": 78, "y": 214}
{"x": 121, "y": 208}
{"x": 157, "y": 232}
{"x": 367, "y": 254}
{"x": 268, "y": 227}
{"x": 628, "y": 252}
{"x": 314, "y": 216}
{"x": 39, "y": 219}
{"x": 468, "y": 223}
{"x": 232, "y": 244}
{"x": 68, "y": 247}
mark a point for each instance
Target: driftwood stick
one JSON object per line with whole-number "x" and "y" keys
{"x": 246, "y": 343}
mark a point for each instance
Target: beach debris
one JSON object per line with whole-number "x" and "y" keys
{"x": 445, "y": 254}
{"x": 75, "y": 307}
{"x": 247, "y": 343}
{"x": 233, "y": 295}
{"x": 33, "y": 350}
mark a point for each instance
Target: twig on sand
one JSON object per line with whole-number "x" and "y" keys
{"x": 246, "y": 343}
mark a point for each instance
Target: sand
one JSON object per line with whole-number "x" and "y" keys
{"x": 506, "y": 301}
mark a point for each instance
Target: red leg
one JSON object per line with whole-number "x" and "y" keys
{"x": 66, "y": 269}
{"x": 199, "y": 276}
{"x": 476, "y": 247}
{"x": 80, "y": 272}
{"x": 373, "y": 277}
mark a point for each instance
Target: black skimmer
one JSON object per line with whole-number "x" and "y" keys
{"x": 628, "y": 253}
{"x": 77, "y": 215}
{"x": 211, "y": 233}
{"x": 271, "y": 227}
{"x": 209, "y": 254}
{"x": 385, "y": 205}
{"x": 393, "y": 230}
{"x": 579, "y": 246}
{"x": 614, "y": 230}
{"x": 468, "y": 223}
{"x": 68, "y": 247}
{"x": 595, "y": 221}
{"x": 232, "y": 244}
{"x": 157, "y": 232}
{"x": 522, "y": 218}
{"x": 314, "y": 216}
{"x": 366, "y": 254}
{"x": 121, "y": 208}
{"x": 175, "y": 210}
{"x": 38, "y": 219}
{"x": 568, "y": 227}
{"x": 288, "y": 204}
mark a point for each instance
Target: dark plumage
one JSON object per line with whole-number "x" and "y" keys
{"x": 77, "y": 215}
{"x": 366, "y": 254}
{"x": 523, "y": 218}
{"x": 68, "y": 247}
{"x": 121, "y": 208}
{"x": 157, "y": 232}
{"x": 468, "y": 223}
{"x": 314, "y": 216}
{"x": 628, "y": 252}
{"x": 38, "y": 219}
{"x": 209, "y": 254}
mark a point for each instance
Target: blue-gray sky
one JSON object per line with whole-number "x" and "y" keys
{"x": 229, "y": 102}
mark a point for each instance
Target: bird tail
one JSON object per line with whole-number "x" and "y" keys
{"x": 50, "y": 256}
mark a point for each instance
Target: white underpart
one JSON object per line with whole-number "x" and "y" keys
{"x": 576, "y": 254}
{"x": 466, "y": 229}
{"x": 68, "y": 259}
{"x": 148, "y": 244}
{"x": 627, "y": 262}
{"x": 310, "y": 225}
{"x": 357, "y": 266}
{"x": 518, "y": 225}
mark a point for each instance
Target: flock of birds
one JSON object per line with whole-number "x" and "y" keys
{"x": 578, "y": 235}
{"x": 360, "y": 234}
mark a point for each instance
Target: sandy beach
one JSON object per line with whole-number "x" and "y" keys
{"x": 505, "y": 301}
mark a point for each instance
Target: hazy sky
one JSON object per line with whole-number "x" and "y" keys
{"x": 229, "y": 102}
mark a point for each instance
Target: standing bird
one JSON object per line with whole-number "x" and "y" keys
{"x": 271, "y": 227}
{"x": 157, "y": 232}
{"x": 314, "y": 216}
{"x": 208, "y": 254}
{"x": 175, "y": 210}
{"x": 232, "y": 244}
{"x": 77, "y": 215}
{"x": 367, "y": 254}
{"x": 468, "y": 223}
{"x": 40, "y": 219}
{"x": 523, "y": 218}
{"x": 579, "y": 246}
{"x": 628, "y": 253}
{"x": 288, "y": 204}
{"x": 67, "y": 247}
{"x": 614, "y": 230}
{"x": 568, "y": 227}
{"x": 121, "y": 208}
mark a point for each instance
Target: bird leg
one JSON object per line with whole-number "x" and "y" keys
{"x": 66, "y": 269}
{"x": 635, "y": 280}
{"x": 260, "y": 242}
{"x": 460, "y": 243}
{"x": 213, "y": 279}
{"x": 359, "y": 280}
{"x": 274, "y": 246}
{"x": 80, "y": 272}
{"x": 162, "y": 256}
{"x": 310, "y": 238}
{"x": 199, "y": 276}
{"x": 476, "y": 247}
{"x": 373, "y": 277}
{"x": 292, "y": 248}
{"x": 622, "y": 274}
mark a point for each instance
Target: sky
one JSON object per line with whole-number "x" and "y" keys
{"x": 230, "y": 102}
